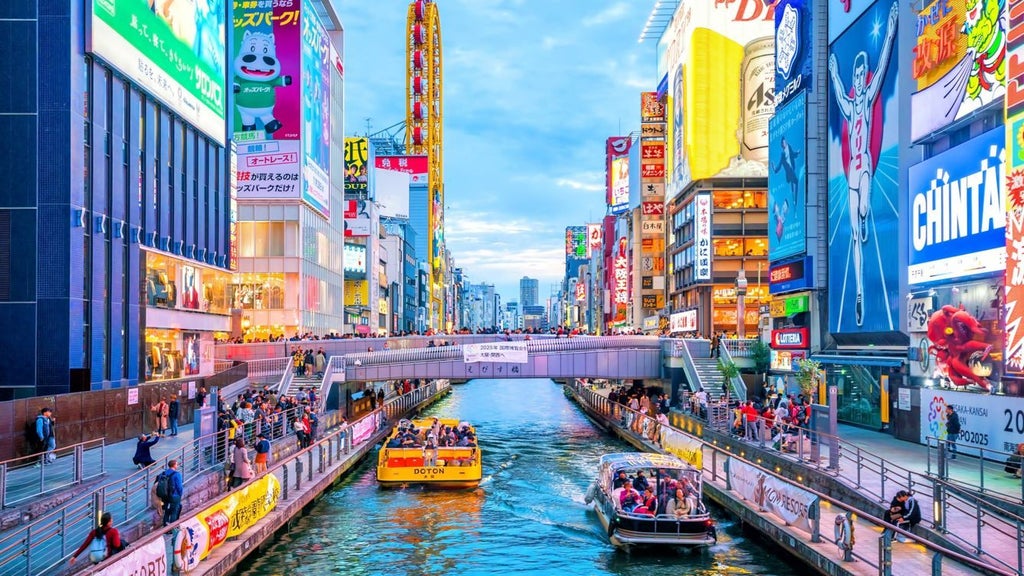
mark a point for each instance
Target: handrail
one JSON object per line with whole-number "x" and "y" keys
{"x": 986, "y": 458}
{"x": 736, "y": 383}
{"x": 958, "y": 516}
{"x": 332, "y": 447}
{"x": 600, "y": 403}
{"x": 738, "y": 347}
{"x": 31, "y": 476}
{"x": 690, "y": 369}
{"x": 127, "y": 498}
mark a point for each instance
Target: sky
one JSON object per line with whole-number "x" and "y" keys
{"x": 532, "y": 89}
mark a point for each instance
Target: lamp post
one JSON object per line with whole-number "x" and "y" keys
{"x": 741, "y": 307}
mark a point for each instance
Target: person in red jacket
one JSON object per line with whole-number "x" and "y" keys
{"x": 105, "y": 530}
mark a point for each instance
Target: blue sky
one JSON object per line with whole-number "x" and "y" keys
{"x": 532, "y": 88}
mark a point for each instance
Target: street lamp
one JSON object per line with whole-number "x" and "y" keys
{"x": 741, "y": 308}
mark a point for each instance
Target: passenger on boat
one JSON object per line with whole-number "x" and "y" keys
{"x": 620, "y": 480}
{"x": 649, "y": 504}
{"x": 430, "y": 450}
{"x": 629, "y": 499}
{"x": 467, "y": 441}
{"x": 640, "y": 482}
{"x": 679, "y": 505}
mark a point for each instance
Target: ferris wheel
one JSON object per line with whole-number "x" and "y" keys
{"x": 424, "y": 130}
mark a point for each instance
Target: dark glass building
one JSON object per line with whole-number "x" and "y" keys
{"x": 117, "y": 214}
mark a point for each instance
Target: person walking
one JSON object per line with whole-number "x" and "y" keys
{"x": 952, "y": 430}
{"x": 175, "y": 490}
{"x": 173, "y": 411}
{"x": 241, "y": 470}
{"x": 262, "y": 453}
{"x": 143, "y": 458}
{"x": 103, "y": 541}
{"x": 160, "y": 411}
{"x": 45, "y": 435}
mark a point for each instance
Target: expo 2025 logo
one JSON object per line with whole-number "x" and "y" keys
{"x": 937, "y": 417}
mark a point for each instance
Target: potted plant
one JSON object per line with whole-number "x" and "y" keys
{"x": 729, "y": 370}
{"x": 807, "y": 377}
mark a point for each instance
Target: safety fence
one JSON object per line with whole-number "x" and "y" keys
{"x": 713, "y": 459}
{"x": 200, "y": 533}
{"x": 29, "y": 477}
{"x": 995, "y": 473}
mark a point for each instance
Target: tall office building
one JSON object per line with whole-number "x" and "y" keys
{"x": 528, "y": 288}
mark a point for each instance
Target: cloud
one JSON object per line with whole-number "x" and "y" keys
{"x": 580, "y": 185}
{"x": 613, "y": 13}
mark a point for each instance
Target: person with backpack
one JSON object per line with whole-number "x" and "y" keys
{"x": 103, "y": 541}
{"x": 169, "y": 489}
{"x": 45, "y": 436}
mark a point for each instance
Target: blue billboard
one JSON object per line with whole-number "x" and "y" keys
{"x": 863, "y": 171}
{"x": 957, "y": 212}
{"x": 787, "y": 179}
{"x": 793, "y": 49}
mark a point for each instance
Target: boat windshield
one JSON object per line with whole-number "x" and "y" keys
{"x": 661, "y": 480}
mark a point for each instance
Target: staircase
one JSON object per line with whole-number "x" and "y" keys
{"x": 710, "y": 377}
{"x": 297, "y": 383}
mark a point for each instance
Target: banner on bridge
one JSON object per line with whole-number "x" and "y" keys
{"x": 508, "y": 352}
{"x": 683, "y": 445}
{"x": 148, "y": 559}
{"x": 785, "y": 500}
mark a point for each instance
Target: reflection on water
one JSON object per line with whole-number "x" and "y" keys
{"x": 527, "y": 516}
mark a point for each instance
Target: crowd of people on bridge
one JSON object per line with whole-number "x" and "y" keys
{"x": 556, "y": 331}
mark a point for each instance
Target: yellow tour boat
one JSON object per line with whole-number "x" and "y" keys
{"x": 431, "y": 452}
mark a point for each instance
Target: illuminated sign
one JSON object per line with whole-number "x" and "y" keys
{"x": 719, "y": 58}
{"x": 581, "y": 292}
{"x": 652, "y": 189}
{"x": 656, "y": 130}
{"x": 791, "y": 338}
{"x": 790, "y": 276}
{"x": 354, "y": 258}
{"x": 653, "y": 208}
{"x": 576, "y": 244}
{"x": 788, "y": 306}
{"x": 621, "y": 275}
{"x": 652, "y": 151}
{"x": 787, "y": 180}
{"x": 683, "y": 321}
{"x": 594, "y": 238}
{"x": 357, "y": 218}
{"x": 793, "y": 49}
{"x": 652, "y": 227}
{"x": 786, "y": 360}
{"x": 416, "y": 167}
{"x": 958, "y": 212}
{"x": 619, "y": 184}
{"x": 959, "y": 61}
{"x": 651, "y": 109}
{"x": 702, "y": 237}
{"x": 1014, "y": 103}
{"x": 357, "y": 158}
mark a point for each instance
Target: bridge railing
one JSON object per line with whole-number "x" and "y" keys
{"x": 736, "y": 383}
{"x": 738, "y": 348}
{"x": 31, "y": 476}
{"x": 714, "y": 468}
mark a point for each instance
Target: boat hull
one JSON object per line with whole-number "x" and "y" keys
{"x": 625, "y": 532}
{"x": 449, "y": 467}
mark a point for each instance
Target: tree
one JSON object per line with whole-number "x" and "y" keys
{"x": 761, "y": 355}
{"x": 729, "y": 371}
{"x": 807, "y": 377}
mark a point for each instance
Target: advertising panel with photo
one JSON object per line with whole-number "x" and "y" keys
{"x": 958, "y": 212}
{"x": 787, "y": 180}
{"x": 793, "y": 49}
{"x": 1014, "y": 104}
{"x": 357, "y": 170}
{"x": 616, "y": 174}
{"x": 357, "y": 218}
{"x": 416, "y": 167}
{"x": 316, "y": 112}
{"x": 863, "y": 174}
{"x": 720, "y": 60}
{"x": 957, "y": 330}
{"x": 266, "y": 73}
{"x": 958, "y": 65}
{"x": 173, "y": 50}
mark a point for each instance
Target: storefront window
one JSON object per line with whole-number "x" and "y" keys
{"x": 740, "y": 199}
{"x": 176, "y": 284}
{"x": 859, "y": 395}
{"x": 161, "y": 281}
{"x": 173, "y": 354}
{"x": 258, "y": 292}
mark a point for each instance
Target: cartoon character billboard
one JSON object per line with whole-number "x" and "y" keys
{"x": 863, "y": 174}
{"x": 959, "y": 61}
{"x": 265, "y": 70}
{"x": 316, "y": 131}
{"x": 1014, "y": 103}
{"x": 787, "y": 179}
{"x": 720, "y": 60}
{"x": 793, "y": 49}
{"x": 174, "y": 49}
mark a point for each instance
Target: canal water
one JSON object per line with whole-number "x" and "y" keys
{"x": 528, "y": 516}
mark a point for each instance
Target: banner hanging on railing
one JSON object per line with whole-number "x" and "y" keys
{"x": 683, "y": 445}
{"x": 150, "y": 558}
{"x": 508, "y": 352}
{"x": 365, "y": 427}
{"x": 788, "y": 502}
{"x": 230, "y": 516}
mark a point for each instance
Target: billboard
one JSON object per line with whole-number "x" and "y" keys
{"x": 416, "y": 167}
{"x": 683, "y": 321}
{"x": 619, "y": 200}
{"x": 266, "y": 71}
{"x": 392, "y": 189}
{"x": 173, "y": 50}
{"x": 842, "y": 14}
{"x": 357, "y": 170}
{"x": 1014, "y": 103}
{"x": 357, "y": 218}
{"x": 316, "y": 111}
{"x": 720, "y": 59}
{"x": 702, "y": 237}
{"x": 651, "y": 109}
{"x": 576, "y": 245}
{"x": 958, "y": 64}
{"x": 269, "y": 169}
{"x": 354, "y": 259}
{"x": 787, "y": 179}
{"x": 986, "y": 421}
{"x": 958, "y": 212}
{"x": 863, "y": 161}
{"x": 793, "y": 49}
{"x": 595, "y": 237}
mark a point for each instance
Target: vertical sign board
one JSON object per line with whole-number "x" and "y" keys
{"x": 1014, "y": 103}
{"x": 787, "y": 179}
{"x": 863, "y": 120}
{"x": 617, "y": 173}
{"x": 316, "y": 112}
{"x": 793, "y": 49}
{"x": 702, "y": 238}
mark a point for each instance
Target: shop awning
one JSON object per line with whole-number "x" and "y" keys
{"x": 859, "y": 360}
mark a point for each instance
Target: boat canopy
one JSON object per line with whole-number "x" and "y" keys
{"x": 631, "y": 460}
